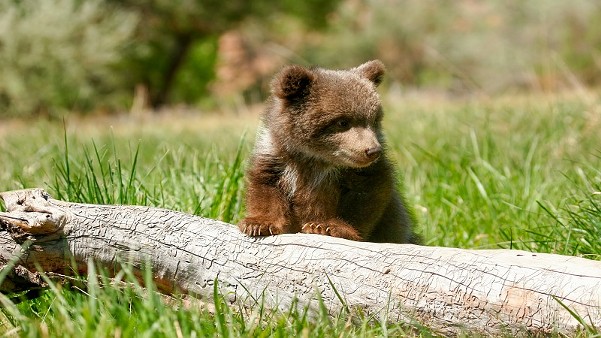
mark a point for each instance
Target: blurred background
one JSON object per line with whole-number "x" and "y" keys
{"x": 106, "y": 56}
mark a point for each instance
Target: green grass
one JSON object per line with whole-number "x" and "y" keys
{"x": 97, "y": 306}
{"x": 501, "y": 173}
{"x": 520, "y": 172}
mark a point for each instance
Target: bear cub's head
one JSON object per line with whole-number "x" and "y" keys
{"x": 328, "y": 116}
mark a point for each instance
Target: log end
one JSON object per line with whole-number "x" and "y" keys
{"x": 31, "y": 212}
{"x": 17, "y": 199}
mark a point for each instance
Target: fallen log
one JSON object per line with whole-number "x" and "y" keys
{"x": 449, "y": 290}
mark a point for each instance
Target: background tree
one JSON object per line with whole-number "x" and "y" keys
{"x": 61, "y": 55}
{"x": 176, "y": 38}
{"x": 58, "y": 56}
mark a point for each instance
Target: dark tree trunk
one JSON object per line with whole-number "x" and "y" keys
{"x": 176, "y": 59}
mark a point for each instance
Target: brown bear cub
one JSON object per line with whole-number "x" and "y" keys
{"x": 319, "y": 165}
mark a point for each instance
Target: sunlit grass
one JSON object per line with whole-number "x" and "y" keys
{"x": 480, "y": 171}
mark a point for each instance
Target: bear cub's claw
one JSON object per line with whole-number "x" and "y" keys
{"x": 256, "y": 227}
{"x": 334, "y": 228}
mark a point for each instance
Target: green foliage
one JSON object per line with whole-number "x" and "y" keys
{"x": 176, "y": 42}
{"x": 467, "y": 46}
{"x": 481, "y": 171}
{"x": 182, "y": 179}
{"x": 193, "y": 79}
{"x": 578, "y": 223}
{"x": 124, "y": 306}
{"x": 60, "y": 55}
{"x": 98, "y": 179}
{"x": 101, "y": 307}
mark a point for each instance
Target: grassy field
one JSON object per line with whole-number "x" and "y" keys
{"x": 513, "y": 172}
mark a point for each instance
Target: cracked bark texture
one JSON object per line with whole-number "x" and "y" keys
{"x": 449, "y": 290}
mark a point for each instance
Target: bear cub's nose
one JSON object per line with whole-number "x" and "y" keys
{"x": 373, "y": 152}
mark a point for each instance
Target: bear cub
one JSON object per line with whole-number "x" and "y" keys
{"x": 319, "y": 165}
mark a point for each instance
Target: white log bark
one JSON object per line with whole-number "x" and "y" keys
{"x": 449, "y": 290}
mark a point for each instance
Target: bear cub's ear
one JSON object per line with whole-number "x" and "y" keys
{"x": 292, "y": 83}
{"x": 371, "y": 70}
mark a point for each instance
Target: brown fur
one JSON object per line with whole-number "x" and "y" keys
{"x": 319, "y": 165}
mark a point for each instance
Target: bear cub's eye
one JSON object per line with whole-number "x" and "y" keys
{"x": 342, "y": 124}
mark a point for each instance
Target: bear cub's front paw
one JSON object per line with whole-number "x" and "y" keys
{"x": 256, "y": 226}
{"x": 334, "y": 228}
